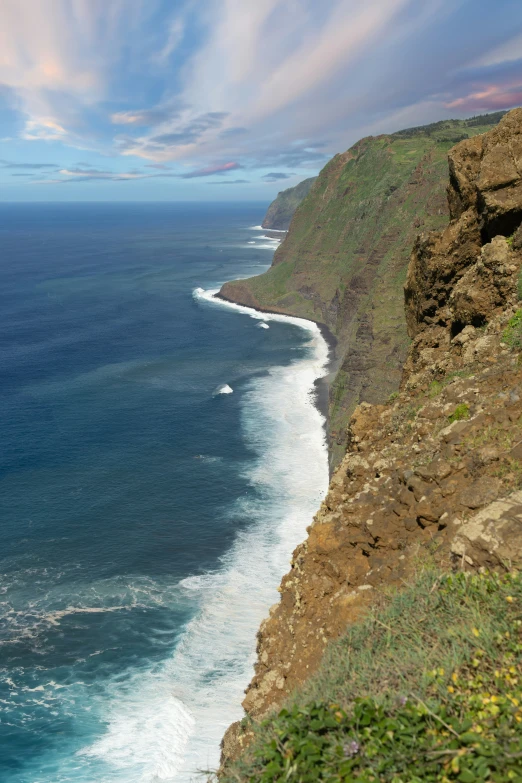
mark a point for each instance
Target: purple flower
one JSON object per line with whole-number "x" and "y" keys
{"x": 351, "y": 749}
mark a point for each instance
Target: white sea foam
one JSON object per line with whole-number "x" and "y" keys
{"x": 263, "y": 326}
{"x": 224, "y": 389}
{"x": 264, "y": 246}
{"x": 165, "y": 724}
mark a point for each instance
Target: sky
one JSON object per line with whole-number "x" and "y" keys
{"x": 115, "y": 100}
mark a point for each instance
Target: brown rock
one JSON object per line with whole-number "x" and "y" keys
{"x": 481, "y": 492}
{"x": 516, "y": 451}
{"x": 437, "y": 470}
{"x": 492, "y": 537}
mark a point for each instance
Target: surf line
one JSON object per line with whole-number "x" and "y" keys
{"x": 323, "y": 341}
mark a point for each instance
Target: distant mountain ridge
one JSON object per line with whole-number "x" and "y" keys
{"x": 281, "y": 210}
{"x": 343, "y": 262}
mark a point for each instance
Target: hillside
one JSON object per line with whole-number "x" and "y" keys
{"x": 433, "y": 475}
{"x": 344, "y": 260}
{"x": 281, "y": 210}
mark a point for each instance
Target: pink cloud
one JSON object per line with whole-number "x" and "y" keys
{"x": 492, "y": 97}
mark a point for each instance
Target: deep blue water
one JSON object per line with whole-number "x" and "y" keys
{"x": 131, "y": 493}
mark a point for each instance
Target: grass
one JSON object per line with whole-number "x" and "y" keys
{"x": 427, "y": 688}
{"x": 460, "y": 412}
{"x": 492, "y": 434}
{"x": 510, "y": 471}
{"x": 512, "y": 334}
{"x": 438, "y": 385}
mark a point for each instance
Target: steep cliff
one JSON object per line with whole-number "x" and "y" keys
{"x": 344, "y": 260}
{"x": 281, "y": 210}
{"x": 437, "y": 470}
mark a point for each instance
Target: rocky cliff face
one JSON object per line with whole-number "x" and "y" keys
{"x": 344, "y": 260}
{"x": 438, "y": 469}
{"x": 281, "y": 210}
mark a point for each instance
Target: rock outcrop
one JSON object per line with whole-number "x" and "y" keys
{"x": 437, "y": 471}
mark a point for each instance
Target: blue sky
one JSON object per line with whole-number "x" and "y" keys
{"x": 231, "y": 99}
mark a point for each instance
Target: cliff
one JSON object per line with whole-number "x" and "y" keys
{"x": 281, "y": 210}
{"x": 344, "y": 260}
{"x": 436, "y": 471}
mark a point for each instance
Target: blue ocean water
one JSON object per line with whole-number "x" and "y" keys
{"x": 145, "y": 518}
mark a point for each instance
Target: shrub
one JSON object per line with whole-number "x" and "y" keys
{"x": 460, "y": 412}
{"x": 512, "y": 334}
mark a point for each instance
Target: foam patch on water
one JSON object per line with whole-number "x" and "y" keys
{"x": 263, "y": 245}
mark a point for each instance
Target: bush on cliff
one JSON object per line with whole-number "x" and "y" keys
{"x": 428, "y": 688}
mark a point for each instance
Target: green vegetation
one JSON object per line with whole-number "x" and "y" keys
{"x": 345, "y": 258}
{"x": 438, "y": 385}
{"x": 281, "y": 210}
{"x": 512, "y": 334}
{"x": 460, "y": 412}
{"x": 427, "y": 688}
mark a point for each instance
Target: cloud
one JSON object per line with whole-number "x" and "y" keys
{"x": 175, "y": 33}
{"x": 231, "y": 133}
{"x": 222, "y": 168}
{"x": 160, "y": 166}
{"x": 506, "y": 52}
{"x": 78, "y": 174}
{"x": 192, "y": 131}
{"x": 5, "y": 164}
{"x": 230, "y": 182}
{"x": 145, "y": 117}
{"x": 489, "y": 98}
{"x": 45, "y": 129}
{"x": 275, "y": 176}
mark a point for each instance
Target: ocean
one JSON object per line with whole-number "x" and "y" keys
{"x": 160, "y": 458}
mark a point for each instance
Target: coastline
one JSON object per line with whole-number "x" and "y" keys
{"x": 284, "y": 425}
{"x": 321, "y": 389}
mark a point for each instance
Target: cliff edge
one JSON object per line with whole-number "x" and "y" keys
{"x": 438, "y": 468}
{"x": 281, "y": 210}
{"x": 344, "y": 260}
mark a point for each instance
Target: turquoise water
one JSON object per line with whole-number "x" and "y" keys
{"x": 146, "y": 518}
